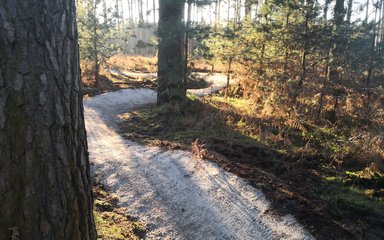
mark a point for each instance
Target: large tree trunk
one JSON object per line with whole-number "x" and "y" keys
{"x": 171, "y": 53}
{"x": 45, "y": 183}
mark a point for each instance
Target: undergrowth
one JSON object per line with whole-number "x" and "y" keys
{"x": 325, "y": 163}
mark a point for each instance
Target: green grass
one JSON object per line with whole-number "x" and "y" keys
{"x": 114, "y": 226}
{"x": 357, "y": 191}
{"x": 353, "y": 199}
{"x": 106, "y": 227}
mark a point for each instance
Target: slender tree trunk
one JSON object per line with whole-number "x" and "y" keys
{"x": 261, "y": 68}
{"x": 349, "y": 12}
{"x": 371, "y": 63}
{"x": 238, "y": 12}
{"x": 367, "y": 12}
{"x": 132, "y": 14}
{"x": 170, "y": 58}
{"x": 154, "y": 12}
{"x": 186, "y": 43}
{"x": 257, "y": 3}
{"x": 105, "y": 11}
{"x": 85, "y": 4}
{"x": 211, "y": 10}
{"x": 197, "y": 13}
{"x": 122, "y": 15}
{"x": 304, "y": 56}
{"x": 146, "y": 11}
{"x": 382, "y": 27}
{"x": 45, "y": 183}
{"x": 338, "y": 48}
{"x": 335, "y": 106}
{"x": 129, "y": 14}
{"x": 326, "y": 7}
{"x": 286, "y": 42}
{"x": 216, "y": 14}
{"x": 117, "y": 15}
{"x": 95, "y": 44}
{"x": 229, "y": 11}
{"x": 305, "y": 52}
{"x": 248, "y": 7}
{"x": 141, "y": 16}
{"x": 219, "y": 10}
{"x": 228, "y": 76}
{"x": 96, "y": 58}
{"x": 325, "y": 81}
{"x": 339, "y": 13}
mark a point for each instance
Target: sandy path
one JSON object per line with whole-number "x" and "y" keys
{"x": 180, "y": 198}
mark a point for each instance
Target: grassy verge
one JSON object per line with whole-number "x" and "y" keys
{"x": 314, "y": 171}
{"x": 113, "y": 222}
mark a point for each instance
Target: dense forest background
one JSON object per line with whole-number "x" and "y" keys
{"x": 307, "y": 100}
{"x": 314, "y": 59}
{"x": 330, "y": 50}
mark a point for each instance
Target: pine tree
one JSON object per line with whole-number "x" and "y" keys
{"x": 45, "y": 183}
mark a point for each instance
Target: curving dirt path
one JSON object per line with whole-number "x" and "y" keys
{"x": 179, "y": 197}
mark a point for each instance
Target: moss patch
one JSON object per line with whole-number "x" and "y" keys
{"x": 113, "y": 222}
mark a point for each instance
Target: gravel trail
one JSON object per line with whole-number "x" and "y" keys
{"x": 179, "y": 197}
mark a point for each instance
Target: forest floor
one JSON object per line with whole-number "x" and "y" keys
{"x": 177, "y": 195}
{"x": 332, "y": 204}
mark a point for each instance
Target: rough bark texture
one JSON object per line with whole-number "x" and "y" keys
{"x": 171, "y": 54}
{"x": 45, "y": 185}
